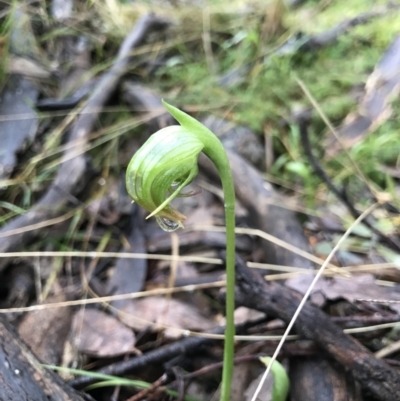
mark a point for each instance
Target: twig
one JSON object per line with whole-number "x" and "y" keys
{"x": 303, "y": 125}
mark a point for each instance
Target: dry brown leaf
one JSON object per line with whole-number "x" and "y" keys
{"x": 46, "y": 331}
{"x": 96, "y": 333}
{"x": 357, "y": 287}
{"x": 138, "y": 314}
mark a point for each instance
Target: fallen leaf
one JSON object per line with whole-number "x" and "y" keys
{"x": 177, "y": 315}
{"x": 96, "y": 333}
{"x": 47, "y": 330}
{"x": 352, "y": 289}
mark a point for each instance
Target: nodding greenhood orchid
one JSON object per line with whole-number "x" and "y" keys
{"x": 160, "y": 169}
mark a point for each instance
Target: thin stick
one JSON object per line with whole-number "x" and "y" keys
{"x": 95, "y": 254}
{"x": 110, "y": 298}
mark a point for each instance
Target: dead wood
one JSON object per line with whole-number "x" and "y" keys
{"x": 374, "y": 375}
{"x": 71, "y": 175}
{"x": 357, "y": 321}
{"x": 67, "y": 103}
{"x": 22, "y": 377}
{"x": 16, "y": 132}
{"x": 158, "y": 355}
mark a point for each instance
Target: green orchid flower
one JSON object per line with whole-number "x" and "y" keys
{"x": 159, "y": 171}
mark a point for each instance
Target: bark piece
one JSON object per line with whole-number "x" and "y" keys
{"x": 23, "y": 378}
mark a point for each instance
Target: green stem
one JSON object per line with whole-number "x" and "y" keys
{"x": 224, "y": 170}
{"x": 230, "y": 296}
{"x": 215, "y": 151}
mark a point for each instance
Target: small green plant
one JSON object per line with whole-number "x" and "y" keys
{"x": 280, "y": 388}
{"x": 159, "y": 171}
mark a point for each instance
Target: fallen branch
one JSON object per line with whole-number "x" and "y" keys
{"x": 374, "y": 375}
